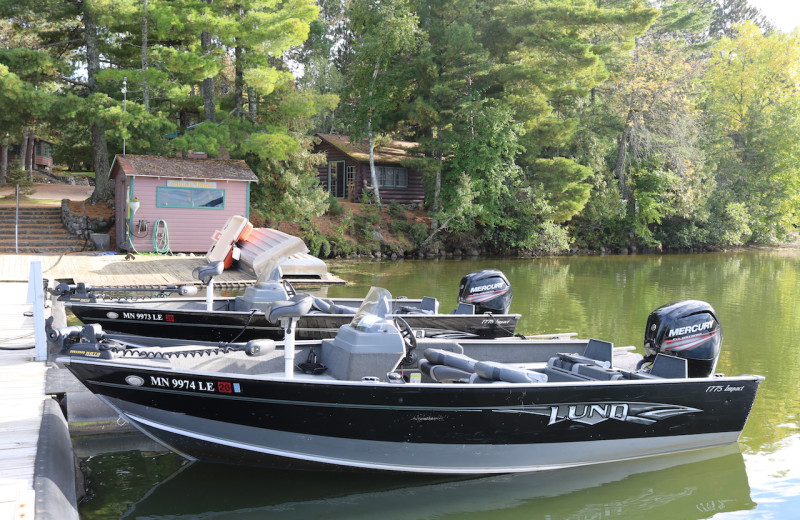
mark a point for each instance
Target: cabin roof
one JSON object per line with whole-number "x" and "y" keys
{"x": 173, "y": 167}
{"x": 394, "y": 152}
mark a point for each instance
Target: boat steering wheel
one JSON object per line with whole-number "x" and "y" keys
{"x": 407, "y": 333}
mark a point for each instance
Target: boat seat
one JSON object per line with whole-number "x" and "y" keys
{"x": 442, "y": 357}
{"x": 327, "y": 306}
{"x": 429, "y": 303}
{"x": 600, "y": 350}
{"x": 206, "y": 272}
{"x": 669, "y": 367}
{"x": 464, "y": 308}
{"x": 595, "y": 364}
{"x": 443, "y": 373}
{"x": 458, "y": 367}
{"x": 494, "y": 371}
{"x": 297, "y": 306}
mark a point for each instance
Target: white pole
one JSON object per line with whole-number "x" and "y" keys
{"x": 210, "y": 295}
{"x": 288, "y": 346}
{"x": 36, "y": 297}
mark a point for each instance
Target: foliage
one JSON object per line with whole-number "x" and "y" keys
{"x": 288, "y": 189}
{"x": 316, "y": 242}
{"x": 754, "y": 111}
{"x": 334, "y": 207}
{"x": 540, "y": 124}
{"x": 396, "y": 211}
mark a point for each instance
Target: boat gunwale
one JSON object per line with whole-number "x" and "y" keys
{"x": 315, "y": 380}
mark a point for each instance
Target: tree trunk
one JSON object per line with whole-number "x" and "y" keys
{"x": 145, "y": 86}
{"x": 31, "y": 152}
{"x": 4, "y": 162}
{"x": 238, "y": 85}
{"x": 437, "y": 187}
{"x": 251, "y": 103}
{"x": 23, "y": 150}
{"x": 208, "y": 83}
{"x": 373, "y": 175}
{"x": 103, "y": 187}
{"x": 622, "y": 152}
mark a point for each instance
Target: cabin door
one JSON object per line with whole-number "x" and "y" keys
{"x": 337, "y": 184}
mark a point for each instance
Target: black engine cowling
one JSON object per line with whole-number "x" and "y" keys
{"x": 488, "y": 290}
{"x": 687, "y": 329}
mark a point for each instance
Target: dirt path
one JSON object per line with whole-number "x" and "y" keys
{"x": 53, "y": 192}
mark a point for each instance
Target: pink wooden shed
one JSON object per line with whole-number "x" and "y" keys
{"x": 181, "y": 202}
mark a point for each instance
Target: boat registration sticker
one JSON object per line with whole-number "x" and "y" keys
{"x": 145, "y": 316}
{"x": 222, "y": 387}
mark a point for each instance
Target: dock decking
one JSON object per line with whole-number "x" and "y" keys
{"x": 22, "y": 396}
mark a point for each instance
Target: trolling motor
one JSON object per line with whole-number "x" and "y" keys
{"x": 288, "y": 313}
{"x": 80, "y": 340}
{"x": 82, "y": 292}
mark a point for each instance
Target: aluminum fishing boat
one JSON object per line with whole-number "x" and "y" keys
{"x": 377, "y": 397}
{"x": 483, "y": 311}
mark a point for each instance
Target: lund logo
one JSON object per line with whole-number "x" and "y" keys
{"x": 595, "y": 413}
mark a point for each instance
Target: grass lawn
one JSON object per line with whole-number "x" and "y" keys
{"x": 79, "y": 173}
{"x": 10, "y": 200}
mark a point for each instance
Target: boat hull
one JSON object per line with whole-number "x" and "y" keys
{"x": 201, "y": 325}
{"x": 424, "y": 428}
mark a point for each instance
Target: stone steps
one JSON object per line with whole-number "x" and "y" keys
{"x": 40, "y": 231}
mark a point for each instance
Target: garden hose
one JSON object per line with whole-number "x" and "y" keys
{"x": 161, "y": 237}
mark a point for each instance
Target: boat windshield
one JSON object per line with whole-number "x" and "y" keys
{"x": 376, "y": 306}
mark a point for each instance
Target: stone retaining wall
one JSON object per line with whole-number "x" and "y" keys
{"x": 80, "y": 225}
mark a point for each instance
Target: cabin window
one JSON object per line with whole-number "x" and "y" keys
{"x": 43, "y": 149}
{"x": 392, "y": 176}
{"x": 167, "y": 197}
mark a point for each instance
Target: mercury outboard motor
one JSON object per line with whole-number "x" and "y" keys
{"x": 488, "y": 290}
{"x": 686, "y": 329}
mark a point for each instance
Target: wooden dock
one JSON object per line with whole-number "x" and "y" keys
{"x": 115, "y": 270}
{"x": 22, "y": 396}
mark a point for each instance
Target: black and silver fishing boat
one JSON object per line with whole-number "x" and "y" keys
{"x": 377, "y": 397}
{"x": 484, "y": 300}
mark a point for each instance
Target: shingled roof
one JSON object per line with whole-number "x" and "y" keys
{"x": 173, "y": 167}
{"x": 394, "y": 152}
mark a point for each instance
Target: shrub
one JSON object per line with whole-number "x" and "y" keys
{"x": 396, "y": 211}
{"x": 418, "y": 233}
{"x": 335, "y": 208}
{"x": 317, "y": 243}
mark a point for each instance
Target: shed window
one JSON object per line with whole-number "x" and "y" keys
{"x": 190, "y": 198}
{"x": 392, "y": 176}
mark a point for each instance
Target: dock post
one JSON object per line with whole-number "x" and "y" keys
{"x": 36, "y": 297}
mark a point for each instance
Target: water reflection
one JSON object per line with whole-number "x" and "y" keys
{"x": 689, "y": 486}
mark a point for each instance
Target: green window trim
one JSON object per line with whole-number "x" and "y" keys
{"x": 190, "y": 198}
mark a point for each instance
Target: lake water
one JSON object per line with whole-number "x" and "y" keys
{"x": 757, "y": 299}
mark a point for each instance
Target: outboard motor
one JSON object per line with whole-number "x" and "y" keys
{"x": 687, "y": 329}
{"x": 488, "y": 290}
